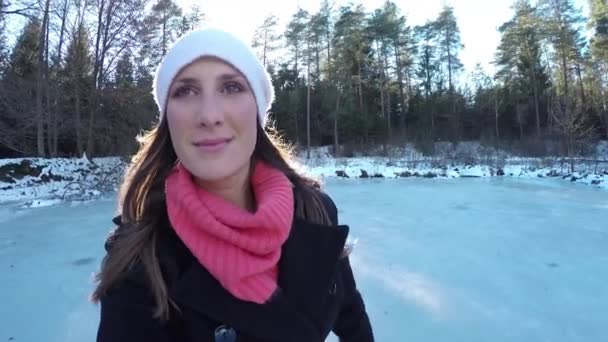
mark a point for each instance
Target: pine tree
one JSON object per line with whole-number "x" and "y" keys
{"x": 448, "y": 39}
{"x": 561, "y": 26}
{"x": 18, "y": 90}
{"x": 77, "y": 82}
{"x": 427, "y": 67}
{"x": 351, "y": 46}
{"x": 599, "y": 58}
{"x": 519, "y": 60}
{"x": 161, "y": 28}
{"x": 266, "y": 38}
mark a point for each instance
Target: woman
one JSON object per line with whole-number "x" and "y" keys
{"x": 219, "y": 239}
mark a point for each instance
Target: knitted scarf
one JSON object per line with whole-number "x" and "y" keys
{"x": 239, "y": 248}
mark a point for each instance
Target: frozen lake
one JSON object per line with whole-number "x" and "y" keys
{"x": 437, "y": 260}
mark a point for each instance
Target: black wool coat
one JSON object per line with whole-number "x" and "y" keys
{"x": 317, "y": 294}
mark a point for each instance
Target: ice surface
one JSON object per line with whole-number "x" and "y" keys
{"x": 476, "y": 259}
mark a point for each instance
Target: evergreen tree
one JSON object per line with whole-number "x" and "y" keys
{"x": 17, "y": 91}
{"x": 77, "y": 73}
{"x": 448, "y": 40}
{"x": 266, "y": 38}
{"x": 161, "y": 28}
{"x": 519, "y": 62}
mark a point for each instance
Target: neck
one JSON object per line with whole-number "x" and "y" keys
{"x": 235, "y": 188}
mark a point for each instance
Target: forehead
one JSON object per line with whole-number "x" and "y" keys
{"x": 207, "y": 67}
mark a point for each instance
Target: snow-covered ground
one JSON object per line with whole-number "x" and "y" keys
{"x": 40, "y": 182}
{"x": 458, "y": 160}
{"x": 471, "y": 260}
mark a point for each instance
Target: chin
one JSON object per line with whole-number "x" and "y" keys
{"x": 215, "y": 173}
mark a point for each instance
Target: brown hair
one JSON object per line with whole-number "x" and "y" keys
{"x": 142, "y": 208}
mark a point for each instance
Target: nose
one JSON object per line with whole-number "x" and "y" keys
{"x": 210, "y": 111}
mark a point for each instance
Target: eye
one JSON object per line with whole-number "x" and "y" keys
{"x": 182, "y": 91}
{"x": 233, "y": 87}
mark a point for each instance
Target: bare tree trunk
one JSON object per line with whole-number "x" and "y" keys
{"x": 400, "y": 80}
{"x": 328, "y": 52}
{"x": 164, "y": 38}
{"x": 388, "y": 96}
{"x": 50, "y": 115}
{"x": 580, "y": 84}
{"x": 360, "y": 86}
{"x": 308, "y": 102}
{"x": 336, "y": 115}
{"x": 382, "y": 79}
{"x": 77, "y": 122}
{"x": 295, "y": 115}
{"x": 56, "y": 94}
{"x": 532, "y": 76}
{"x": 565, "y": 74}
{"x": 362, "y": 114}
{"x": 40, "y": 117}
{"x": 97, "y": 66}
{"x": 496, "y": 114}
{"x": 98, "y": 75}
{"x": 318, "y": 75}
{"x": 447, "y": 39}
{"x": 265, "y": 44}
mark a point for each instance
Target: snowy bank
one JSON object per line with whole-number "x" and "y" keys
{"x": 43, "y": 182}
{"x": 374, "y": 167}
{"x": 457, "y": 161}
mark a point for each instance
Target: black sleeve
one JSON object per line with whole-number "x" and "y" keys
{"x": 353, "y": 323}
{"x": 127, "y": 315}
{"x": 127, "y": 310}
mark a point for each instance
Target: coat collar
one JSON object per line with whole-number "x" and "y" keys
{"x": 308, "y": 262}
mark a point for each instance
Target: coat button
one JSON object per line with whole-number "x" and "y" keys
{"x": 224, "y": 333}
{"x": 333, "y": 289}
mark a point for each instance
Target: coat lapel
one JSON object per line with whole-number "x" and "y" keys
{"x": 308, "y": 263}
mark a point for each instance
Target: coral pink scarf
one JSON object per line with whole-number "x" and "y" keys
{"x": 239, "y": 248}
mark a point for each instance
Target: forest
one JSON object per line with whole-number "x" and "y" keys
{"x": 78, "y": 77}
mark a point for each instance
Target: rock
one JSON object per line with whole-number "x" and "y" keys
{"x": 540, "y": 175}
{"x": 573, "y": 179}
{"x": 342, "y": 174}
{"x": 596, "y": 182}
{"x": 552, "y": 173}
{"x": 403, "y": 174}
{"x": 500, "y": 172}
{"x": 429, "y": 175}
{"x": 566, "y": 176}
{"x": 416, "y": 174}
{"x": 377, "y": 175}
{"x": 456, "y": 169}
{"x": 364, "y": 174}
{"x": 12, "y": 171}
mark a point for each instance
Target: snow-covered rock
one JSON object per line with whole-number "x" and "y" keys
{"x": 42, "y": 181}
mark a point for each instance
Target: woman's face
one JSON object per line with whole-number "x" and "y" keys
{"x": 212, "y": 118}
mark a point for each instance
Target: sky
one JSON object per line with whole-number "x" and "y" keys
{"x": 478, "y": 20}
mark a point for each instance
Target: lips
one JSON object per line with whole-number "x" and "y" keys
{"x": 212, "y": 145}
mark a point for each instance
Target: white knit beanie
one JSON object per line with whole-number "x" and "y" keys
{"x": 221, "y": 44}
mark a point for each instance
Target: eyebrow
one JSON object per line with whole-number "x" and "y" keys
{"x": 222, "y": 77}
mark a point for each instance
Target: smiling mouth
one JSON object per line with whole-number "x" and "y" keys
{"x": 213, "y": 145}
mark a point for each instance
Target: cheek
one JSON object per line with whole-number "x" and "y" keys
{"x": 178, "y": 117}
{"x": 245, "y": 120}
